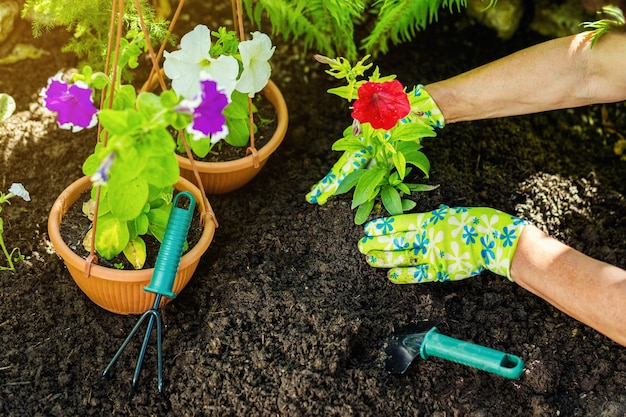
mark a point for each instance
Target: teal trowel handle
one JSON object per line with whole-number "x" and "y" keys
{"x": 466, "y": 353}
{"x": 171, "y": 248}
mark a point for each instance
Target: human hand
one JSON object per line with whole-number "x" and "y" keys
{"x": 446, "y": 244}
{"x": 345, "y": 165}
{"x": 422, "y": 107}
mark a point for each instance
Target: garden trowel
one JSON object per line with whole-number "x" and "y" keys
{"x": 423, "y": 339}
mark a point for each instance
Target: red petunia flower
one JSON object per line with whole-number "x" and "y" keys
{"x": 381, "y": 104}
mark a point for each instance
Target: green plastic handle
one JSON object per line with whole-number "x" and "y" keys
{"x": 466, "y": 353}
{"x": 171, "y": 248}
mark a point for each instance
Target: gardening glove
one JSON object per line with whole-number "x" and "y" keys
{"x": 446, "y": 244}
{"x": 347, "y": 164}
{"x": 422, "y": 105}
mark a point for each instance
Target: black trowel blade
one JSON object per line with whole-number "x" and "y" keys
{"x": 398, "y": 357}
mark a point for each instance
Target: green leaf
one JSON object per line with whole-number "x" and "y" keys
{"x": 128, "y": 198}
{"x": 368, "y": 186}
{"x": 391, "y": 200}
{"x": 238, "y": 107}
{"x": 162, "y": 171}
{"x": 422, "y": 187}
{"x": 417, "y": 159}
{"x": 115, "y": 121}
{"x": 351, "y": 144}
{"x": 125, "y": 98}
{"x": 400, "y": 163}
{"x": 200, "y": 147}
{"x": 363, "y": 212}
{"x": 111, "y": 236}
{"x": 141, "y": 224}
{"x": 403, "y": 188}
{"x": 158, "y": 221}
{"x": 346, "y": 91}
{"x": 135, "y": 252}
{"x": 148, "y": 104}
{"x": 238, "y": 132}
{"x": 169, "y": 99}
{"x": 408, "y": 204}
{"x": 349, "y": 181}
{"x": 7, "y": 106}
{"x": 91, "y": 164}
{"x": 413, "y": 131}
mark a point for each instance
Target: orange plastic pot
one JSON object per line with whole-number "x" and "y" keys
{"x": 121, "y": 291}
{"x": 224, "y": 177}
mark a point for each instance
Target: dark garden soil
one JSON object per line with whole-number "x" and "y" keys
{"x": 283, "y": 315}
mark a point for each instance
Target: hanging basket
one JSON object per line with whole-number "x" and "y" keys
{"x": 121, "y": 291}
{"x": 224, "y": 177}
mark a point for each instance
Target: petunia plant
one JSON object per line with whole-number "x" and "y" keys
{"x": 134, "y": 166}
{"x": 240, "y": 69}
{"x": 16, "y": 190}
{"x": 383, "y": 144}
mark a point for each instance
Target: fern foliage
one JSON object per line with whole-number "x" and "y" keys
{"x": 326, "y": 25}
{"x": 400, "y": 20}
{"x": 614, "y": 21}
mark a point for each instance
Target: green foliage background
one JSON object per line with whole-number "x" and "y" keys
{"x": 88, "y": 21}
{"x": 329, "y": 25}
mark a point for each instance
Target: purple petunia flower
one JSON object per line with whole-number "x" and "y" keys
{"x": 207, "y": 110}
{"x": 72, "y": 103}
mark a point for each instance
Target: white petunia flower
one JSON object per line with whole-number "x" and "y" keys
{"x": 186, "y": 65}
{"x": 18, "y": 189}
{"x": 255, "y": 54}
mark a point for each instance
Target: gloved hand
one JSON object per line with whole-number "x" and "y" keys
{"x": 422, "y": 106}
{"x": 345, "y": 165}
{"x": 446, "y": 244}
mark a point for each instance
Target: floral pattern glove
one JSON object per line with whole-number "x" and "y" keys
{"x": 446, "y": 244}
{"x": 424, "y": 106}
{"x": 345, "y": 165}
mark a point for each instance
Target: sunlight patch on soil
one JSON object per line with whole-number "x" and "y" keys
{"x": 25, "y": 127}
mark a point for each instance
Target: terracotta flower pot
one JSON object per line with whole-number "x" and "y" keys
{"x": 224, "y": 177}
{"x": 121, "y": 291}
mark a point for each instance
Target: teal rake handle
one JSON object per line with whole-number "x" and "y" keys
{"x": 171, "y": 248}
{"x": 438, "y": 345}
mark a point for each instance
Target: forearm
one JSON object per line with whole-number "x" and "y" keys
{"x": 586, "y": 289}
{"x": 560, "y": 73}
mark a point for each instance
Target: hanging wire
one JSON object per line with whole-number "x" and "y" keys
{"x": 117, "y": 11}
{"x": 157, "y": 72}
{"x": 238, "y": 17}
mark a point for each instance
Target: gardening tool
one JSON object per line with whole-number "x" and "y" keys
{"x": 162, "y": 282}
{"x": 423, "y": 339}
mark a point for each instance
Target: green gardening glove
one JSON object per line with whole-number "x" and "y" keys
{"x": 422, "y": 106}
{"x": 446, "y": 244}
{"x": 345, "y": 165}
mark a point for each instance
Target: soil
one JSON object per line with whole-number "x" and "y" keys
{"x": 283, "y": 315}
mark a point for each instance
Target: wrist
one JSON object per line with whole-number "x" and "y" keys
{"x": 425, "y": 107}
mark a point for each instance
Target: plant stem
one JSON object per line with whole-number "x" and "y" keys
{"x": 6, "y": 253}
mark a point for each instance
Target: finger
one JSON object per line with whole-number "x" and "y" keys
{"x": 327, "y": 186}
{"x": 428, "y": 273}
{"x": 385, "y": 259}
{"x": 412, "y": 275}
{"x": 405, "y": 222}
{"x": 416, "y": 240}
